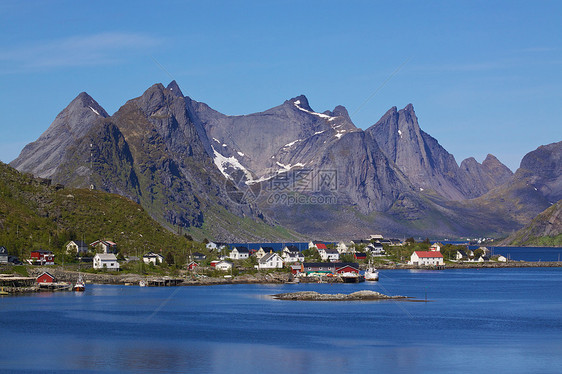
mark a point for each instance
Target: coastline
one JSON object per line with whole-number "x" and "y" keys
{"x": 190, "y": 279}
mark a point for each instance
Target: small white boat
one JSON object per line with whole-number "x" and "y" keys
{"x": 142, "y": 283}
{"x": 371, "y": 274}
{"x": 79, "y": 285}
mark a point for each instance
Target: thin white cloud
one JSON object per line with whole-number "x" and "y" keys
{"x": 83, "y": 50}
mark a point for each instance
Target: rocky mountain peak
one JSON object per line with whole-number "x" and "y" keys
{"x": 43, "y": 156}
{"x": 85, "y": 102}
{"x": 174, "y": 88}
{"x": 300, "y": 101}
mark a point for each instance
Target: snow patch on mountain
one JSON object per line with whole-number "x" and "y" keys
{"x": 321, "y": 115}
{"x": 223, "y": 163}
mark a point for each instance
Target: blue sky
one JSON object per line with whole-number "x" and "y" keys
{"x": 483, "y": 76}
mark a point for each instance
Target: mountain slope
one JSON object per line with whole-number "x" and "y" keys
{"x": 42, "y": 157}
{"x": 35, "y": 215}
{"x": 152, "y": 152}
{"x": 544, "y": 230}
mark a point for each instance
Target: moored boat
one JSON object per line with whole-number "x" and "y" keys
{"x": 79, "y": 285}
{"x": 371, "y": 274}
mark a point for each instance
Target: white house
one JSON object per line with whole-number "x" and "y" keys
{"x": 76, "y": 246}
{"x": 105, "y": 245}
{"x": 376, "y": 237}
{"x": 270, "y": 261}
{"x": 263, "y": 251}
{"x": 461, "y": 255}
{"x": 327, "y": 254}
{"x": 426, "y": 258}
{"x": 3, "y": 255}
{"x": 375, "y": 249}
{"x": 290, "y": 248}
{"x": 291, "y": 257}
{"x": 153, "y": 258}
{"x": 213, "y": 245}
{"x": 223, "y": 266}
{"x": 341, "y": 247}
{"x": 502, "y": 258}
{"x": 239, "y": 253}
{"x": 436, "y": 247}
{"x": 105, "y": 261}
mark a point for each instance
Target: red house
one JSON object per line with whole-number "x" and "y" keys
{"x": 360, "y": 256}
{"x": 214, "y": 263}
{"x": 42, "y": 257}
{"x": 45, "y": 278}
{"x": 347, "y": 268}
{"x": 192, "y": 265}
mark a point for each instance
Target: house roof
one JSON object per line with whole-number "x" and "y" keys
{"x": 292, "y": 248}
{"x": 44, "y": 251}
{"x": 267, "y": 257}
{"x": 321, "y": 246}
{"x": 346, "y": 265}
{"x": 319, "y": 264}
{"x": 3, "y": 250}
{"x": 429, "y": 254}
{"x": 46, "y": 273}
{"x": 152, "y": 254}
{"x": 105, "y": 242}
{"x": 242, "y": 249}
{"x": 106, "y": 256}
{"x": 267, "y": 249}
{"x": 79, "y": 243}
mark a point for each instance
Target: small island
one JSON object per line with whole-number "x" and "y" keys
{"x": 355, "y": 296}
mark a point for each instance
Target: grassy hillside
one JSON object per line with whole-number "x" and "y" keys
{"x": 544, "y": 230}
{"x": 35, "y": 215}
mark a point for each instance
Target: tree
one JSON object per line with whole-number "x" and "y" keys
{"x": 169, "y": 258}
{"x": 347, "y": 257}
{"x": 478, "y": 252}
{"x": 410, "y": 240}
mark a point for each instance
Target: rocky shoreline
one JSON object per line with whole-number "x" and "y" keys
{"x": 364, "y": 295}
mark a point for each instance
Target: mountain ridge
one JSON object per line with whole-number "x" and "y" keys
{"x": 189, "y": 165}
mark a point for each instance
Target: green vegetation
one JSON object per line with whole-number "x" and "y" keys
{"x": 545, "y": 230}
{"x": 35, "y": 215}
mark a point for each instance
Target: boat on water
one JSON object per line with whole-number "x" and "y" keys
{"x": 79, "y": 285}
{"x": 351, "y": 277}
{"x": 142, "y": 283}
{"x": 371, "y": 274}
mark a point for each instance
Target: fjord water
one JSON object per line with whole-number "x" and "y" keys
{"x": 486, "y": 320}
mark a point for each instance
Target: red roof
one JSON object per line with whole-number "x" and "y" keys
{"x": 430, "y": 254}
{"x": 321, "y": 246}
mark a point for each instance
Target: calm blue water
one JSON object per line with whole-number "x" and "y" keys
{"x": 533, "y": 254}
{"x": 487, "y": 320}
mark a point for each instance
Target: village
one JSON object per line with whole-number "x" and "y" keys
{"x": 315, "y": 261}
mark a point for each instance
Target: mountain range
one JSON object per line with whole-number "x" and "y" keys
{"x": 287, "y": 170}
